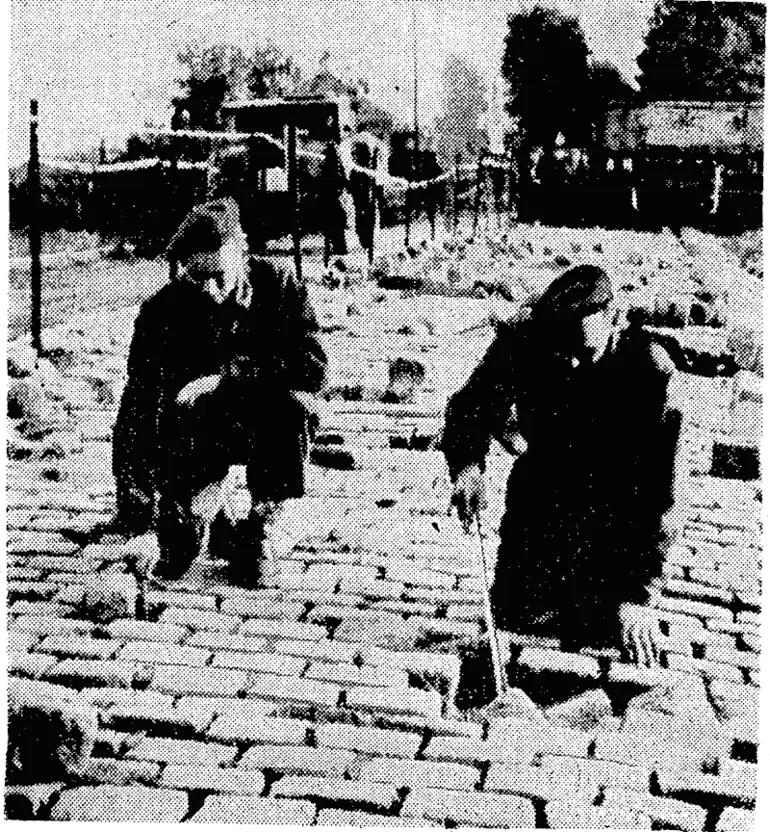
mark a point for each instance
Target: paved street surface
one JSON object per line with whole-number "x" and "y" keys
{"x": 352, "y": 690}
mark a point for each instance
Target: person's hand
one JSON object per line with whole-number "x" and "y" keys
{"x": 640, "y": 631}
{"x": 469, "y": 495}
{"x": 191, "y": 392}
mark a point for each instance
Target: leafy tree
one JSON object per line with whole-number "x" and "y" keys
{"x": 704, "y": 51}
{"x": 464, "y": 102}
{"x": 607, "y": 89}
{"x": 546, "y": 65}
{"x": 223, "y": 72}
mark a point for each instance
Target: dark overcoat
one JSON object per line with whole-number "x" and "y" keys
{"x": 262, "y": 353}
{"x": 584, "y": 502}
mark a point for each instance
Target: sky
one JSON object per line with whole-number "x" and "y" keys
{"x": 101, "y": 68}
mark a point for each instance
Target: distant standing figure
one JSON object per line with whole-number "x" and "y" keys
{"x": 214, "y": 361}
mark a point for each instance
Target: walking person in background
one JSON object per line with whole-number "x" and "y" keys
{"x": 215, "y": 363}
{"x": 581, "y": 536}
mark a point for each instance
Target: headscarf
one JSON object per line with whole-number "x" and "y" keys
{"x": 575, "y": 294}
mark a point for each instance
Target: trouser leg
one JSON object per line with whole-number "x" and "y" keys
{"x": 178, "y": 537}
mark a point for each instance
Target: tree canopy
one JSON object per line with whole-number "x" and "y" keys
{"x": 223, "y": 72}
{"x": 546, "y": 66}
{"x": 464, "y": 101}
{"x": 704, "y": 51}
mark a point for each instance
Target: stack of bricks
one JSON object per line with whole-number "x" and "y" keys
{"x": 329, "y": 698}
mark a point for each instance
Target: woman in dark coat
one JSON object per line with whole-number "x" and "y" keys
{"x": 215, "y": 358}
{"x": 580, "y": 537}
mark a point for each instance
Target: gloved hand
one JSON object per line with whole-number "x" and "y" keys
{"x": 469, "y": 495}
{"x": 641, "y": 634}
{"x": 189, "y": 394}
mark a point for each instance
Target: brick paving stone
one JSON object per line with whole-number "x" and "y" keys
{"x": 19, "y": 642}
{"x": 548, "y": 739}
{"x": 164, "y": 653}
{"x": 282, "y": 629}
{"x": 143, "y": 717}
{"x": 290, "y": 689}
{"x": 384, "y": 589}
{"x": 227, "y": 641}
{"x": 116, "y": 804}
{"x": 535, "y": 781}
{"x": 440, "y": 727}
{"x": 711, "y": 670}
{"x": 263, "y": 608}
{"x": 182, "y": 752}
{"x": 94, "y": 673}
{"x": 186, "y": 600}
{"x": 205, "y": 708}
{"x": 267, "y": 730}
{"x": 348, "y": 792}
{"x": 471, "y": 808}
{"x": 261, "y": 662}
{"x": 731, "y": 656}
{"x": 212, "y": 779}
{"x": 44, "y": 625}
{"x": 120, "y": 772}
{"x": 367, "y": 740}
{"x": 200, "y": 620}
{"x": 463, "y": 750}
{"x": 539, "y": 661}
{"x": 111, "y": 697}
{"x": 180, "y": 680}
{"x": 131, "y": 630}
{"x": 34, "y": 666}
{"x": 735, "y": 820}
{"x": 421, "y": 773}
{"x": 576, "y": 814}
{"x": 350, "y": 674}
{"x": 326, "y": 650}
{"x": 739, "y": 786}
{"x": 419, "y": 702}
{"x": 82, "y": 647}
{"x": 695, "y": 608}
{"x": 363, "y": 820}
{"x": 698, "y": 592}
{"x": 49, "y": 609}
{"x": 398, "y": 635}
{"x": 646, "y": 676}
{"x": 257, "y": 811}
{"x": 601, "y": 773}
{"x": 662, "y": 810}
{"x": 298, "y": 760}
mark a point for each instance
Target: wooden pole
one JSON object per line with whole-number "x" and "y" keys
{"x": 35, "y": 231}
{"x": 294, "y": 199}
{"x": 456, "y": 194}
{"x": 477, "y": 199}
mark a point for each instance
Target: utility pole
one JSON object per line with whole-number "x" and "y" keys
{"x": 35, "y": 231}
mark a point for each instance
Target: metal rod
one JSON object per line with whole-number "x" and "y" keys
{"x": 294, "y": 198}
{"x": 501, "y": 684}
{"x": 35, "y": 231}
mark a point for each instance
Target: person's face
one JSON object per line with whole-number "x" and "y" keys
{"x": 595, "y": 330}
{"x": 221, "y": 268}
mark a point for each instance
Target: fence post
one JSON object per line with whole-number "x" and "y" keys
{"x": 35, "y": 231}
{"x": 477, "y": 199}
{"x": 294, "y": 198}
{"x": 456, "y": 194}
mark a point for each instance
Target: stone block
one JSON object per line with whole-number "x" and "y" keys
{"x": 132, "y": 717}
{"x": 30, "y": 665}
{"x": 182, "y": 752}
{"x": 46, "y": 625}
{"x": 205, "y": 708}
{"x": 581, "y": 814}
{"x": 81, "y": 647}
{"x": 422, "y": 773}
{"x": 364, "y": 820}
{"x": 470, "y": 808}
{"x": 130, "y": 630}
{"x": 120, "y": 772}
{"x": 255, "y": 811}
{"x": 403, "y": 744}
{"x": 736, "y": 820}
{"x": 212, "y": 779}
{"x": 227, "y": 641}
{"x": 476, "y": 751}
{"x": 547, "y": 739}
{"x": 120, "y": 804}
{"x": 267, "y": 730}
{"x": 350, "y": 674}
{"x": 185, "y": 600}
{"x": 150, "y": 652}
{"x": 263, "y": 608}
{"x": 198, "y": 620}
{"x": 382, "y": 700}
{"x": 301, "y": 760}
{"x": 289, "y": 689}
{"x": 595, "y": 774}
{"x": 553, "y": 661}
{"x": 282, "y": 629}
{"x": 325, "y": 650}
{"x": 582, "y": 712}
{"x": 740, "y": 786}
{"x": 94, "y": 673}
{"x": 662, "y": 810}
{"x": 111, "y": 697}
{"x": 535, "y": 781}
{"x": 702, "y": 667}
{"x": 179, "y": 680}
{"x": 260, "y": 662}
{"x": 333, "y": 790}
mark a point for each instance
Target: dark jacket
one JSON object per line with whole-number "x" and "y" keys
{"x": 262, "y": 353}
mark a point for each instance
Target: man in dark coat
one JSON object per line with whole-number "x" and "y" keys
{"x": 580, "y": 537}
{"x": 214, "y": 365}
